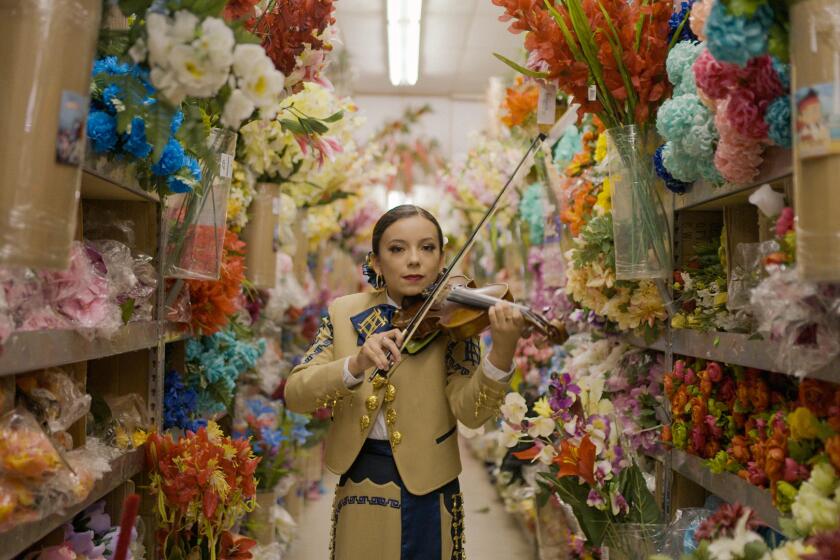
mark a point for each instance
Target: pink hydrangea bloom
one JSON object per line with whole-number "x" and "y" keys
{"x": 746, "y": 113}
{"x": 715, "y": 79}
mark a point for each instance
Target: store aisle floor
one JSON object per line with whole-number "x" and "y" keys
{"x": 492, "y": 534}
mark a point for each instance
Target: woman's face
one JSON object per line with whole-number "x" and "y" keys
{"x": 410, "y": 256}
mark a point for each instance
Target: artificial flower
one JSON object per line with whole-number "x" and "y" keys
{"x": 514, "y": 408}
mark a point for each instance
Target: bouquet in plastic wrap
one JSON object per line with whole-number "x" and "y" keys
{"x": 57, "y": 400}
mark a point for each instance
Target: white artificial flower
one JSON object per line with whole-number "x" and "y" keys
{"x": 183, "y": 26}
{"x": 168, "y": 84}
{"x": 238, "y": 108}
{"x": 509, "y": 437}
{"x": 733, "y": 548}
{"x": 264, "y": 84}
{"x": 159, "y": 42}
{"x": 791, "y": 550}
{"x": 514, "y": 408}
{"x": 547, "y": 454}
{"x": 541, "y": 426}
{"x": 139, "y": 51}
{"x": 245, "y": 57}
{"x": 217, "y": 41}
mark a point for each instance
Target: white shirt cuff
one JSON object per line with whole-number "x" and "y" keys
{"x": 495, "y": 373}
{"x": 349, "y": 380}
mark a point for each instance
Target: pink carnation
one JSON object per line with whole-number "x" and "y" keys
{"x": 746, "y": 113}
{"x": 785, "y": 222}
{"x": 714, "y": 78}
{"x": 762, "y": 79}
{"x": 737, "y": 157}
{"x": 699, "y": 14}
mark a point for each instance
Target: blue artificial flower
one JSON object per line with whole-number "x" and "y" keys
{"x": 110, "y": 65}
{"x": 737, "y": 39}
{"x": 171, "y": 160}
{"x": 673, "y": 184}
{"x": 532, "y": 210}
{"x": 192, "y": 170}
{"x": 179, "y": 403}
{"x": 102, "y": 131}
{"x": 783, "y": 71}
{"x": 135, "y": 140}
{"x": 677, "y": 116}
{"x": 111, "y": 93}
{"x": 681, "y": 18}
{"x": 272, "y": 438}
{"x": 777, "y": 118}
{"x": 569, "y": 144}
{"x": 679, "y": 65}
{"x": 177, "y": 121}
{"x": 258, "y": 407}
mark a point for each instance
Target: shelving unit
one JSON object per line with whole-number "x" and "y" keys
{"x": 685, "y": 480}
{"x": 778, "y": 164}
{"x": 726, "y": 486}
{"x": 130, "y": 361}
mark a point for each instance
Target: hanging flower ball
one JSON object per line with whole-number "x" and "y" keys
{"x": 679, "y": 66}
{"x": 671, "y": 183}
{"x": 778, "y": 121}
{"x": 737, "y": 39}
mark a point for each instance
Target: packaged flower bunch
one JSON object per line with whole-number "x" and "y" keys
{"x": 575, "y": 432}
{"x": 91, "y": 536}
{"x": 204, "y": 484}
{"x": 104, "y": 288}
{"x": 701, "y": 291}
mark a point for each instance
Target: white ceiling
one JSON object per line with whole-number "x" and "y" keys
{"x": 457, "y": 42}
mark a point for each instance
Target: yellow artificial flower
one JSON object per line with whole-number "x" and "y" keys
{"x": 214, "y": 432}
{"x": 721, "y": 299}
{"x": 139, "y": 437}
{"x": 601, "y": 147}
{"x": 679, "y": 321}
{"x": 803, "y": 424}
{"x": 542, "y": 407}
{"x": 604, "y": 201}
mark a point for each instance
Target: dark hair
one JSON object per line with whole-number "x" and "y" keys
{"x": 398, "y": 213}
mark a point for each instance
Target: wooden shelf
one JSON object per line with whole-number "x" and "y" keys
{"x": 727, "y": 486}
{"x": 28, "y": 351}
{"x": 104, "y": 180}
{"x": 19, "y": 538}
{"x": 733, "y": 349}
{"x": 778, "y": 164}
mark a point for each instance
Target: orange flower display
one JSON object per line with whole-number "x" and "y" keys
{"x": 213, "y": 302}
{"x": 520, "y": 103}
{"x": 618, "y": 47}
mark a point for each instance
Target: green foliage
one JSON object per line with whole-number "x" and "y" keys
{"x": 521, "y": 69}
{"x": 596, "y": 239}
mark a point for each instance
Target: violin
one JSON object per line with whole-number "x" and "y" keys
{"x": 461, "y": 311}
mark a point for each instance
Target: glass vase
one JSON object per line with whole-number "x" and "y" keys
{"x": 194, "y": 223}
{"x": 641, "y": 229}
{"x": 635, "y": 541}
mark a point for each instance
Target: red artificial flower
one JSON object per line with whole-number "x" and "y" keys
{"x": 724, "y": 521}
{"x": 237, "y": 10}
{"x": 817, "y": 396}
{"x": 290, "y": 26}
{"x": 827, "y": 545}
{"x": 235, "y": 547}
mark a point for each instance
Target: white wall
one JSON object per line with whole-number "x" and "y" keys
{"x": 451, "y": 121}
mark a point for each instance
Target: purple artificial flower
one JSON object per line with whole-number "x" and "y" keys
{"x": 82, "y": 542}
{"x": 96, "y": 519}
{"x": 620, "y": 505}
{"x": 595, "y": 499}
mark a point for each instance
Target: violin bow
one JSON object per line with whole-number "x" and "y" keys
{"x": 411, "y": 329}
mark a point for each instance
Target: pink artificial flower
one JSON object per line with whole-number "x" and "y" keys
{"x": 785, "y": 222}
{"x": 714, "y": 371}
{"x": 746, "y": 113}
{"x": 679, "y": 370}
{"x": 690, "y": 376}
{"x": 699, "y": 14}
{"x": 63, "y": 552}
{"x": 762, "y": 79}
{"x": 794, "y": 471}
{"x": 756, "y": 476}
{"x": 715, "y": 79}
{"x": 737, "y": 157}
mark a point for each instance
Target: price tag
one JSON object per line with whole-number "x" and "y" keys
{"x": 225, "y": 166}
{"x": 547, "y": 104}
{"x": 592, "y": 93}
{"x": 275, "y": 205}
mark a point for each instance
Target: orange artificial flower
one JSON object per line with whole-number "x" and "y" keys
{"x": 577, "y": 461}
{"x": 213, "y": 302}
{"x": 528, "y": 454}
{"x": 832, "y": 447}
{"x": 236, "y": 547}
{"x": 520, "y": 104}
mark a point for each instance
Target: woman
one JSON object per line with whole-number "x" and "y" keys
{"x": 393, "y": 440}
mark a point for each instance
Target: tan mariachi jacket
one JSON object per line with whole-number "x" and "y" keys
{"x": 422, "y": 400}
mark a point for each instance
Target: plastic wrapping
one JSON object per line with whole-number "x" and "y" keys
{"x": 641, "y": 231}
{"x": 194, "y": 224}
{"x": 132, "y": 280}
{"x": 59, "y": 400}
{"x": 633, "y": 541}
{"x": 747, "y": 272}
{"x": 800, "y": 320}
{"x": 45, "y": 104}
{"x": 680, "y": 539}
{"x": 26, "y": 453}
{"x": 123, "y": 422}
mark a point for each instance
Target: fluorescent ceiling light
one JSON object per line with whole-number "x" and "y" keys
{"x": 404, "y": 41}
